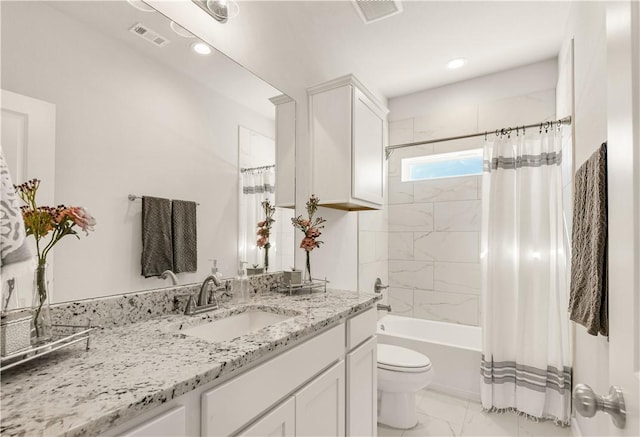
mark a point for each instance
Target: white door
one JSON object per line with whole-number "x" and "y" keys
{"x": 28, "y": 145}
{"x": 362, "y": 390}
{"x": 623, "y": 131}
{"x": 320, "y": 409}
{"x": 279, "y": 422}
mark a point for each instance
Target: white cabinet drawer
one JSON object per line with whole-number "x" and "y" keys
{"x": 361, "y": 327}
{"x": 173, "y": 423}
{"x": 227, "y": 408}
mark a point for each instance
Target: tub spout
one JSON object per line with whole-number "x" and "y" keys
{"x": 384, "y": 307}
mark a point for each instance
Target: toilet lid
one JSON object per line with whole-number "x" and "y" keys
{"x": 401, "y": 359}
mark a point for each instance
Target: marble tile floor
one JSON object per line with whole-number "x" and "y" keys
{"x": 444, "y": 415}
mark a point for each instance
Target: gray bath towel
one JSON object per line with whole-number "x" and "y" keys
{"x": 588, "y": 304}
{"x": 185, "y": 236}
{"x": 157, "y": 246}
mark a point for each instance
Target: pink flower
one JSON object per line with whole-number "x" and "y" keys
{"x": 313, "y": 233}
{"x": 261, "y": 224}
{"x": 305, "y": 222}
{"x": 81, "y": 217}
{"x": 308, "y": 244}
{"x": 261, "y": 241}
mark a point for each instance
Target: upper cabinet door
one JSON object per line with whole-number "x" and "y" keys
{"x": 348, "y": 134}
{"x": 368, "y": 149}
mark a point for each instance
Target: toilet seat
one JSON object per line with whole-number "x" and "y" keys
{"x": 399, "y": 359}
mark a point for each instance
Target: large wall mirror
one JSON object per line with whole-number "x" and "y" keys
{"x": 104, "y": 99}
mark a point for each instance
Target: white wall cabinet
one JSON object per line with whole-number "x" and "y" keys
{"x": 320, "y": 406}
{"x": 285, "y": 196}
{"x": 362, "y": 390}
{"x": 348, "y": 135}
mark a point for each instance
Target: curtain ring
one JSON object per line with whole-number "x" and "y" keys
{"x": 497, "y": 132}
{"x": 485, "y": 135}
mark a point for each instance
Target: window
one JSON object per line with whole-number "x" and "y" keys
{"x": 443, "y": 165}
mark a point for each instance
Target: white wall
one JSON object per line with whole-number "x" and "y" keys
{"x": 144, "y": 130}
{"x": 586, "y": 26}
{"x": 434, "y": 226}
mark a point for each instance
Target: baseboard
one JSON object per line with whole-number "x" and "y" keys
{"x": 575, "y": 428}
{"x": 447, "y": 390}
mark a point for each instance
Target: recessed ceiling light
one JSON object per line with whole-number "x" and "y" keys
{"x": 456, "y": 63}
{"x": 201, "y": 48}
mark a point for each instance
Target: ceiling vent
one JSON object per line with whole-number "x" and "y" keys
{"x": 376, "y": 10}
{"x": 149, "y": 35}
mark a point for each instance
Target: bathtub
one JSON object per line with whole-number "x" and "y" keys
{"x": 454, "y": 351}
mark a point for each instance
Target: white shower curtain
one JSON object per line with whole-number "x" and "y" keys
{"x": 526, "y": 363}
{"x": 257, "y": 186}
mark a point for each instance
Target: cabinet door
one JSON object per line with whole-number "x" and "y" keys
{"x": 320, "y": 406}
{"x": 362, "y": 390}
{"x": 279, "y": 422}
{"x": 368, "y": 144}
{"x": 173, "y": 423}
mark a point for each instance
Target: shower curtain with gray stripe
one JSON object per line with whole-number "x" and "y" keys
{"x": 526, "y": 362}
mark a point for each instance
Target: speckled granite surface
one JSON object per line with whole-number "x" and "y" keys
{"x": 134, "y": 368}
{"x": 124, "y": 309}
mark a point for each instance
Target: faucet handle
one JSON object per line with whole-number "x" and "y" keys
{"x": 191, "y": 306}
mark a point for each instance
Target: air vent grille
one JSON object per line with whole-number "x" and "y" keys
{"x": 149, "y": 35}
{"x": 375, "y": 10}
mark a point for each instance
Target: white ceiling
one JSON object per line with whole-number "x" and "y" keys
{"x": 321, "y": 40}
{"x": 215, "y": 71}
{"x": 408, "y": 52}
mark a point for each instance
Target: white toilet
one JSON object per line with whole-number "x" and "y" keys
{"x": 401, "y": 374}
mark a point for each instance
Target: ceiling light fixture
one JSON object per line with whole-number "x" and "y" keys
{"x": 180, "y": 30}
{"x": 456, "y": 63}
{"x": 201, "y": 48}
{"x": 141, "y": 6}
{"x": 220, "y": 10}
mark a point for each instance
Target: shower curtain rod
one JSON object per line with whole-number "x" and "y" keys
{"x": 504, "y": 131}
{"x": 263, "y": 167}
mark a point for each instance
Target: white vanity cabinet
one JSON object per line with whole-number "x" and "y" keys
{"x": 325, "y": 386}
{"x": 348, "y": 134}
{"x": 170, "y": 423}
{"x": 279, "y": 422}
{"x": 320, "y": 406}
{"x": 285, "y": 196}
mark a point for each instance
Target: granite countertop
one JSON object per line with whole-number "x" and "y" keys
{"x": 131, "y": 369}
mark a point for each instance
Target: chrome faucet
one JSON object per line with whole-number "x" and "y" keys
{"x": 169, "y": 274}
{"x": 207, "y": 300}
{"x": 203, "y": 297}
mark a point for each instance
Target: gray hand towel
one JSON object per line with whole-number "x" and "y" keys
{"x": 157, "y": 246}
{"x": 185, "y": 236}
{"x": 588, "y": 304}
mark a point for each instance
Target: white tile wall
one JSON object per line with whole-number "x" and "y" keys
{"x": 447, "y": 246}
{"x": 434, "y": 226}
{"x": 411, "y": 274}
{"x": 446, "y": 307}
{"x": 436, "y": 190}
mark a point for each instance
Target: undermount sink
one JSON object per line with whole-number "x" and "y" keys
{"x": 235, "y": 325}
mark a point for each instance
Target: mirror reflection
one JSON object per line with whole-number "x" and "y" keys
{"x": 118, "y": 101}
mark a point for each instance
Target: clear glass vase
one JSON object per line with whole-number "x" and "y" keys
{"x": 307, "y": 272}
{"x": 41, "y": 323}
